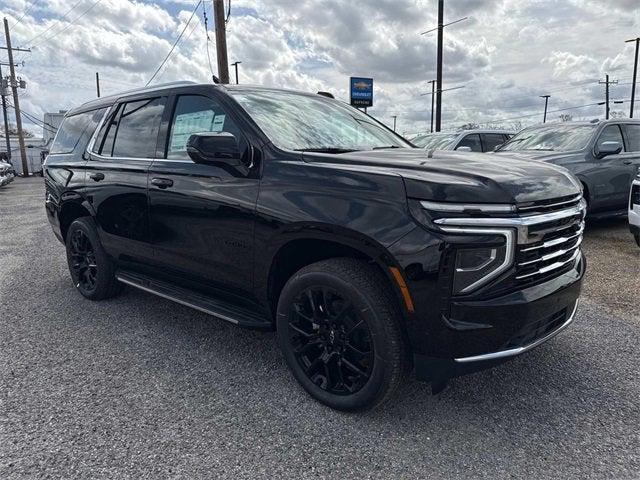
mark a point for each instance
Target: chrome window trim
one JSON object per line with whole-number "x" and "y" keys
{"x": 509, "y": 236}
{"x": 517, "y": 351}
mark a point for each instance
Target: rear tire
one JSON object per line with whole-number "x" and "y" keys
{"x": 91, "y": 269}
{"x": 339, "y": 328}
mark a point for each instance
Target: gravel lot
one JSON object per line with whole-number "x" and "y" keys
{"x": 141, "y": 387}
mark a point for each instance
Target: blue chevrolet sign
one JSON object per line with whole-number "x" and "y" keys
{"x": 361, "y": 91}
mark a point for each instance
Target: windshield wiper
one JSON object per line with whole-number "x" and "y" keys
{"x": 385, "y": 146}
{"x": 327, "y": 150}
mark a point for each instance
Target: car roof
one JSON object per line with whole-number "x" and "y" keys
{"x": 109, "y": 100}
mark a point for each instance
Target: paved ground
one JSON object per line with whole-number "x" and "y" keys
{"x": 140, "y": 387}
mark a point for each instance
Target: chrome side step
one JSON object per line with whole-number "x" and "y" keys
{"x": 235, "y": 314}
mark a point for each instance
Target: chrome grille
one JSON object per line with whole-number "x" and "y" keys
{"x": 549, "y": 247}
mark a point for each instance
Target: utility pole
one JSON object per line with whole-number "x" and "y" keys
{"x": 98, "y": 84}
{"x": 439, "y": 65}
{"x": 16, "y": 100}
{"x": 235, "y": 64}
{"x": 606, "y": 83}
{"x": 546, "y": 102}
{"x": 3, "y": 91}
{"x": 635, "y": 75}
{"x": 221, "y": 40}
{"x": 433, "y": 96}
{"x": 394, "y": 121}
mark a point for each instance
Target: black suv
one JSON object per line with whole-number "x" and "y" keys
{"x": 292, "y": 211}
{"x": 604, "y": 156}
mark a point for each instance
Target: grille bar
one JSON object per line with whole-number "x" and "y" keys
{"x": 550, "y": 268}
{"x": 552, "y": 255}
{"x": 539, "y": 206}
{"x": 556, "y": 241}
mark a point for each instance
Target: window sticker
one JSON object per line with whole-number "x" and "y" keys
{"x": 187, "y": 124}
{"x": 218, "y": 123}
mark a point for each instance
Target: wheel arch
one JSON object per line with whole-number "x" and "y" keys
{"x": 72, "y": 210}
{"x": 295, "y": 251}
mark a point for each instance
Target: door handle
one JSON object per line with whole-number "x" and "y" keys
{"x": 97, "y": 176}
{"x": 162, "y": 182}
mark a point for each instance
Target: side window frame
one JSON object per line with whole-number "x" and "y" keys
{"x": 627, "y": 138}
{"x": 113, "y": 114}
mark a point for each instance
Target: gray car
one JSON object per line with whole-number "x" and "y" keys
{"x": 604, "y": 155}
{"x": 480, "y": 140}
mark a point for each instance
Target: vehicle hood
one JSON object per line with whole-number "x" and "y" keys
{"x": 451, "y": 176}
{"x": 544, "y": 156}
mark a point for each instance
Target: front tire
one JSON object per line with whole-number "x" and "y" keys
{"x": 92, "y": 271}
{"x": 339, "y": 329}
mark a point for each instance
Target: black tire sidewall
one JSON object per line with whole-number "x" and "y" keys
{"x": 378, "y": 382}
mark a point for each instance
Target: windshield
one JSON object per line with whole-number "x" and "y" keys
{"x": 435, "y": 141}
{"x": 560, "y": 138}
{"x": 296, "y": 121}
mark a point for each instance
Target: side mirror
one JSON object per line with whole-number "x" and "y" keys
{"x": 608, "y": 148}
{"x": 464, "y": 149}
{"x": 214, "y": 147}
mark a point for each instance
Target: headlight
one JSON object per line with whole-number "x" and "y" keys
{"x": 495, "y": 253}
{"x": 476, "y": 266}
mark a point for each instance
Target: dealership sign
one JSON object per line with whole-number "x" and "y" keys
{"x": 361, "y": 91}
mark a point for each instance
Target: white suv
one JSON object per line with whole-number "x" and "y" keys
{"x": 634, "y": 209}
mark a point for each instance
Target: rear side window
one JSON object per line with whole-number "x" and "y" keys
{"x": 633, "y": 132}
{"x": 75, "y": 131}
{"x": 132, "y": 130}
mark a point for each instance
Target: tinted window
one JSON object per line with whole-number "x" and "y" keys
{"x": 132, "y": 130}
{"x": 195, "y": 114}
{"x": 611, "y": 133}
{"x": 75, "y": 128}
{"x": 491, "y": 141}
{"x": 472, "y": 141}
{"x": 633, "y": 132}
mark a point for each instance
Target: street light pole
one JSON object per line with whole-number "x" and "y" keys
{"x": 635, "y": 75}
{"x": 433, "y": 94}
{"x": 546, "y": 102}
{"x": 394, "y": 121}
{"x": 235, "y": 64}
{"x": 439, "y": 65}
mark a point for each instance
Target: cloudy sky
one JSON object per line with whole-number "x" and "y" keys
{"x": 506, "y": 54}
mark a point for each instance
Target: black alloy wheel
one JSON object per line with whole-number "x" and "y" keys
{"x": 340, "y": 330}
{"x": 331, "y": 342}
{"x": 83, "y": 261}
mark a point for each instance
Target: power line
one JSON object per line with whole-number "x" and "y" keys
{"x": 175, "y": 43}
{"x": 68, "y": 26}
{"x": 26, "y": 10}
{"x": 53, "y": 24}
{"x": 208, "y": 40}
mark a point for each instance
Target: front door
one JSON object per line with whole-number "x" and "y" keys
{"x": 202, "y": 215}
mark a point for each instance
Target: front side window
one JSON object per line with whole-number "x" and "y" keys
{"x": 633, "y": 133}
{"x": 472, "y": 141}
{"x": 611, "y": 133}
{"x": 301, "y": 122}
{"x": 492, "y": 140}
{"x": 197, "y": 114}
{"x": 74, "y": 129}
{"x": 558, "y": 137}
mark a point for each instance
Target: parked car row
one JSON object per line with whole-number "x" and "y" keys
{"x": 469, "y": 140}
{"x": 7, "y": 173}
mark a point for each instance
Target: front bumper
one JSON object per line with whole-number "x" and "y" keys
{"x": 504, "y": 327}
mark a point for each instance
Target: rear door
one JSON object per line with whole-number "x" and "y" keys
{"x": 120, "y": 156}
{"x": 202, "y": 215}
